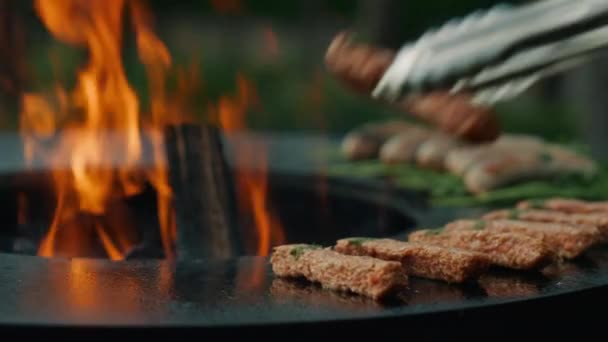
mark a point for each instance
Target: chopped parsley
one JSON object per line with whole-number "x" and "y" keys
{"x": 514, "y": 214}
{"x": 359, "y": 241}
{"x": 298, "y": 251}
{"x": 479, "y": 225}
{"x": 435, "y": 231}
{"x": 537, "y": 203}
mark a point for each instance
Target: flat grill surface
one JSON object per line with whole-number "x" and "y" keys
{"x": 80, "y": 292}
{"x": 243, "y": 292}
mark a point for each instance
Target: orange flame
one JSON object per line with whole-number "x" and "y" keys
{"x": 103, "y": 103}
{"x": 252, "y": 186}
{"x": 99, "y": 129}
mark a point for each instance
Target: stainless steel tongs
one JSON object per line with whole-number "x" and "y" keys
{"x": 497, "y": 54}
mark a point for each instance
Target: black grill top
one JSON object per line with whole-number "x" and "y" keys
{"x": 41, "y": 292}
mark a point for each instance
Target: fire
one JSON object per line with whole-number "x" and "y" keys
{"x": 252, "y": 183}
{"x": 102, "y": 105}
{"x": 99, "y": 128}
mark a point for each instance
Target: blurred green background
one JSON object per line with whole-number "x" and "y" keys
{"x": 279, "y": 46}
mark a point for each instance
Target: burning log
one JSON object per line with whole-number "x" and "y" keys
{"x": 203, "y": 192}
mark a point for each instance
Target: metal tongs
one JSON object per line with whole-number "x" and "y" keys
{"x": 498, "y": 54}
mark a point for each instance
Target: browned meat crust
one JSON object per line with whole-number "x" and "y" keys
{"x": 366, "y": 141}
{"x": 503, "y": 165}
{"x": 459, "y": 160}
{"x": 560, "y": 211}
{"x": 432, "y": 153}
{"x": 567, "y": 205}
{"x": 360, "y": 67}
{"x": 570, "y": 233}
{"x": 511, "y": 250}
{"x": 366, "y": 276}
{"x": 425, "y": 261}
{"x": 402, "y": 148}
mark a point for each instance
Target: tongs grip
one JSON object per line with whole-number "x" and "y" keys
{"x": 497, "y": 46}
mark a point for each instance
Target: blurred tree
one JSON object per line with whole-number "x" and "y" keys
{"x": 13, "y": 70}
{"x": 392, "y": 22}
{"x": 379, "y": 21}
{"x": 12, "y": 49}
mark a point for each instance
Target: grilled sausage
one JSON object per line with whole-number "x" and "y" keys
{"x": 564, "y": 240}
{"x": 360, "y": 67}
{"x": 366, "y": 141}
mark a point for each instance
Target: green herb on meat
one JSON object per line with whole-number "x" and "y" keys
{"x": 435, "y": 231}
{"x": 514, "y": 214}
{"x": 479, "y": 225}
{"x": 537, "y": 203}
{"x": 359, "y": 241}
{"x": 298, "y": 251}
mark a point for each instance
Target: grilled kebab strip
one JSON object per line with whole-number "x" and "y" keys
{"x": 363, "y": 275}
{"x": 596, "y": 223}
{"x": 425, "y": 261}
{"x": 511, "y": 250}
{"x": 566, "y": 241}
{"x": 566, "y": 205}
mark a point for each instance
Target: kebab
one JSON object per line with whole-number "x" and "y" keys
{"x": 425, "y": 261}
{"x": 566, "y": 205}
{"x": 566, "y": 241}
{"x": 580, "y": 223}
{"x": 510, "y": 250}
{"x": 362, "y": 275}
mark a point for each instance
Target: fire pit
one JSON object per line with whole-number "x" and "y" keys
{"x": 124, "y": 214}
{"x": 241, "y": 292}
{"x": 309, "y": 207}
{"x": 103, "y": 173}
